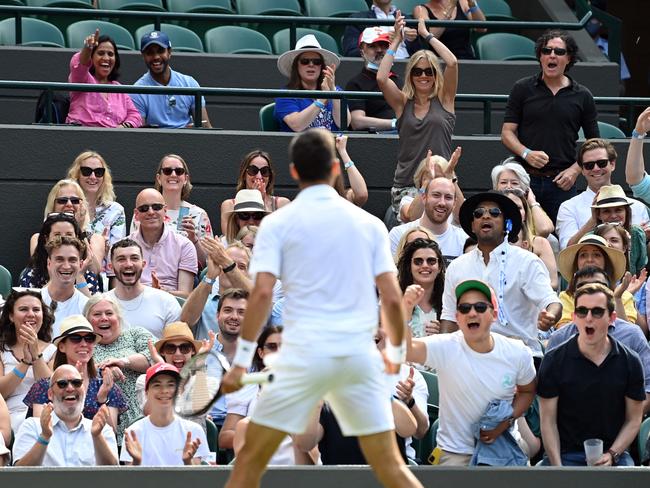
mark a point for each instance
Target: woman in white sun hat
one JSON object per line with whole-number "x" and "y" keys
{"x": 309, "y": 67}
{"x": 249, "y": 209}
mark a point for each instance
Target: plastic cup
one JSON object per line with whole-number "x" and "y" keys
{"x": 593, "y": 450}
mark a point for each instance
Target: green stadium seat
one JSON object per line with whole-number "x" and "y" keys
{"x": 607, "y": 131}
{"x": 333, "y": 8}
{"x": 642, "y": 439}
{"x": 35, "y": 32}
{"x": 213, "y": 435}
{"x": 496, "y": 10}
{"x": 182, "y": 39}
{"x": 407, "y": 6}
{"x": 268, "y": 7}
{"x": 281, "y": 40}
{"x": 200, "y": 27}
{"x": 146, "y": 5}
{"x": 232, "y": 39}
{"x": 433, "y": 400}
{"x": 267, "y": 120}
{"x": 5, "y": 282}
{"x": 61, "y": 21}
{"x": 503, "y": 46}
{"x": 77, "y": 32}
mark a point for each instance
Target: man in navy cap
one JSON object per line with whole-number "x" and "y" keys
{"x": 171, "y": 110}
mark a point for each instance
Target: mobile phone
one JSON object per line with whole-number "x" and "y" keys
{"x": 182, "y": 212}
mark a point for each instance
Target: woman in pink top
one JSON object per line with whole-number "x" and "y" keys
{"x": 99, "y": 62}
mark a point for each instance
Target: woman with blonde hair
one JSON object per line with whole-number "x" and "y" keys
{"x": 409, "y": 236}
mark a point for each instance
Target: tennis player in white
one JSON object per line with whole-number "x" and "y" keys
{"x": 330, "y": 255}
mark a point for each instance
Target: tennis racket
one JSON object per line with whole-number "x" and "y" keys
{"x": 200, "y": 385}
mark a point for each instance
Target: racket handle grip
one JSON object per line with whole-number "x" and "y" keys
{"x": 257, "y": 378}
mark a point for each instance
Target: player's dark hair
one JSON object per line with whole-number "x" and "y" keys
{"x": 312, "y": 153}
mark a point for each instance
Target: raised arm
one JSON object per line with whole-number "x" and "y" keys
{"x": 358, "y": 191}
{"x": 450, "y": 76}
{"x": 393, "y": 95}
{"x": 634, "y": 165}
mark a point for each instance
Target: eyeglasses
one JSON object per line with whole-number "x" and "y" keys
{"x": 76, "y": 383}
{"x": 77, "y": 338}
{"x": 465, "y": 308}
{"x": 272, "y": 346}
{"x": 184, "y": 348}
{"x": 480, "y": 211}
{"x": 589, "y": 165}
{"x": 250, "y": 215}
{"x": 252, "y": 170}
{"x": 87, "y": 171}
{"x": 57, "y": 214}
{"x": 430, "y": 261}
{"x": 314, "y": 61}
{"x": 596, "y": 312}
{"x": 64, "y": 200}
{"x": 559, "y": 51}
{"x": 157, "y": 207}
{"x": 420, "y": 72}
{"x": 169, "y": 171}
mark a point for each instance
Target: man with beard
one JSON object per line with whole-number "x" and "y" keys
{"x": 439, "y": 200}
{"x": 166, "y": 111}
{"x": 62, "y": 436}
{"x": 525, "y": 298}
{"x": 142, "y": 306}
{"x": 372, "y": 113}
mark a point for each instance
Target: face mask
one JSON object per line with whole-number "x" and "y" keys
{"x": 372, "y": 66}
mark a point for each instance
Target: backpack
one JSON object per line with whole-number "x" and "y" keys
{"x": 60, "y": 106}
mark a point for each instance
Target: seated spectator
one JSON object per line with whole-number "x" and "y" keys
{"x": 411, "y": 235}
{"x": 162, "y": 438}
{"x": 476, "y": 366}
{"x": 357, "y": 193}
{"x": 593, "y": 250}
{"x": 255, "y": 173}
{"x": 591, "y": 387}
{"x": 248, "y": 209}
{"x": 105, "y": 215}
{"x": 25, "y": 349}
{"x": 62, "y": 436}
{"x": 99, "y": 62}
{"x": 64, "y": 256}
{"x": 247, "y": 235}
{"x": 5, "y": 434}
{"x": 421, "y": 275}
{"x": 171, "y": 257}
{"x": 372, "y": 114}
{"x": 35, "y": 275}
{"x": 635, "y": 174}
{"x": 169, "y": 110}
{"x": 456, "y": 39}
{"x": 123, "y": 351}
{"x": 142, "y": 306}
{"x": 380, "y": 9}
{"x": 511, "y": 175}
{"x": 309, "y": 67}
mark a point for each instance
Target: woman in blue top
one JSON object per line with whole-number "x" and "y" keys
{"x": 308, "y": 67}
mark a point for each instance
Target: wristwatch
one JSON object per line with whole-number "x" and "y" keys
{"x": 615, "y": 455}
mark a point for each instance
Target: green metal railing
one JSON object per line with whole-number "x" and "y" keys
{"x": 197, "y": 92}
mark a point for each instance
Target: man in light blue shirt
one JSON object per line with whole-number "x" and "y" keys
{"x": 171, "y": 111}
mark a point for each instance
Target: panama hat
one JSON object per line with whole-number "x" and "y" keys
{"x": 611, "y": 196}
{"x": 249, "y": 201}
{"x": 567, "y": 257}
{"x": 507, "y": 206}
{"x": 75, "y": 324}
{"x": 305, "y": 44}
{"x": 176, "y": 331}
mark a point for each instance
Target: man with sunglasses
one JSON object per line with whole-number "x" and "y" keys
{"x": 543, "y": 116}
{"x": 591, "y": 387}
{"x": 475, "y": 367}
{"x": 62, "y": 436}
{"x": 597, "y": 161}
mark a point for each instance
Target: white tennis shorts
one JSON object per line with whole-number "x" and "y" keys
{"x": 355, "y": 387}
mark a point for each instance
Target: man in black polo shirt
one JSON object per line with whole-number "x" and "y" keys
{"x": 373, "y": 113}
{"x": 590, "y": 387}
{"x": 543, "y": 116}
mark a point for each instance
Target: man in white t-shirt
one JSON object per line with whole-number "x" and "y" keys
{"x": 439, "y": 200}
{"x": 142, "y": 306}
{"x": 331, "y": 257}
{"x": 63, "y": 265}
{"x": 162, "y": 438}
{"x": 474, "y": 368}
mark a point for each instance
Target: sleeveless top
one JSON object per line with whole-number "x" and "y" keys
{"x": 456, "y": 40}
{"x": 416, "y": 136}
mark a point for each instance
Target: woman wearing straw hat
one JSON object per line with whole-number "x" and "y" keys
{"x": 249, "y": 209}
{"x": 309, "y": 67}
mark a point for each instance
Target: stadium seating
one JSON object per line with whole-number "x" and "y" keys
{"x": 333, "y": 8}
{"x": 267, "y": 121}
{"x": 77, "y": 32}
{"x": 232, "y": 39}
{"x": 35, "y": 32}
{"x": 503, "y": 46}
{"x": 642, "y": 439}
{"x": 607, "y": 131}
{"x": 200, "y": 27}
{"x": 407, "y": 6}
{"x": 182, "y": 39}
{"x": 5, "y": 281}
{"x": 146, "y": 5}
{"x": 281, "y": 40}
{"x": 60, "y": 3}
{"x": 268, "y": 7}
{"x": 496, "y": 10}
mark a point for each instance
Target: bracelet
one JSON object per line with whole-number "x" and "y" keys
{"x": 319, "y": 104}
{"x": 209, "y": 281}
{"x": 638, "y": 135}
{"x": 396, "y": 354}
{"x": 390, "y": 52}
{"x": 525, "y": 153}
{"x": 18, "y": 373}
{"x": 79, "y": 286}
{"x": 410, "y": 403}
{"x": 536, "y": 204}
{"x": 244, "y": 353}
{"x": 230, "y": 267}
{"x": 348, "y": 165}
{"x": 428, "y": 38}
{"x": 42, "y": 441}
{"x": 26, "y": 362}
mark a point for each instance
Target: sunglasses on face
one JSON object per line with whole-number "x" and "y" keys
{"x": 465, "y": 308}
{"x": 157, "y": 207}
{"x": 252, "y": 170}
{"x": 76, "y": 383}
{"x": 272, "y": 346}
{"x": 314, "y": 61}
{"x": 169, "y": 171}
{"x": 559, "y": 51}
{"x": 589, "y": 165}
{"x": 430, "y": 261}
{"x": 184, "y": 348}
{"x": 77, "y": 338}
{"x": 87, "y": 171}
{"x": 250, "y": 215}
{"x": 64, "y": 200}
{"x": 596, "y": 312}
{"x": 480, "y": 211}
{"x": 421, "y": 71}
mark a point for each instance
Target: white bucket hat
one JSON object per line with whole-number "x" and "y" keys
{"x": 305, "y": 44}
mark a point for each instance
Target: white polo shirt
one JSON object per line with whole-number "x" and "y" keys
{"x": 327, "y": 252}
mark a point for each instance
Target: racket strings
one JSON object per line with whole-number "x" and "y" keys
{"x": 201, "y": 396}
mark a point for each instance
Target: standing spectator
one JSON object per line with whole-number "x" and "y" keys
{"x": 635, "y": 174}
{"x": 99, "y": 62}
{"x": 172, "y": 111}
{"x": 542, "y": 120}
